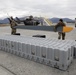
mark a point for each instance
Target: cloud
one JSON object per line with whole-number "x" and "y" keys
{"x": 49, "y": 8}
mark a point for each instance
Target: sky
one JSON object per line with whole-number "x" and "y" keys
{"x": 40, "y": 8}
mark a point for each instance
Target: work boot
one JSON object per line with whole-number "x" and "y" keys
{"x": 63, "y": 38}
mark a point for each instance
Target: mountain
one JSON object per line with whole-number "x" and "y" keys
{"x": 4, "y": 21}
{"x": 56, "y": 20}
{"x": 68, "y": 20}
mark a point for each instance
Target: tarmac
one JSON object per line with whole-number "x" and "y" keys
{"x": 13, "y": 65}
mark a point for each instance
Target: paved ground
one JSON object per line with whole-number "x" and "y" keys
{"x": 4, "y": 71}
{"x": 14, "y": 65}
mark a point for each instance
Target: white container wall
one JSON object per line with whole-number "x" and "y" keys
{"x": 52, "y": 52}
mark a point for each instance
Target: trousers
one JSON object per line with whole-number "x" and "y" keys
{"x": 61, "y": 34}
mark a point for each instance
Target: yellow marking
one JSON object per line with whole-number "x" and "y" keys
{"x": 48, "y": 22}
{"x": 67, "y": 29}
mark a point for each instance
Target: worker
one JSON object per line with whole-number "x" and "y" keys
{"x": 61, "y": 34}
{"x": 12, "y": 24}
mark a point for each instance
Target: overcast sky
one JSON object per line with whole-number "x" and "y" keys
{"x": 44, "y": 8}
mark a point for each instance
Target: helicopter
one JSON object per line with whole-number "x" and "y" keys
{"x": 28, "y": 21}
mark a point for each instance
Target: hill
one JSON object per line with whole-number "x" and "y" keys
{"x": 4, "y": 21}
{"x": 55, "y": 20}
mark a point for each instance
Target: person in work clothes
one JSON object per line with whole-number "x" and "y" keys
{"x": 61, "y": 34}
{"x": 12, "y": 24}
